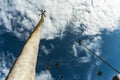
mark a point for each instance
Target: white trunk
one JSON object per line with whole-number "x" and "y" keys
{"x": 24, "y": 67}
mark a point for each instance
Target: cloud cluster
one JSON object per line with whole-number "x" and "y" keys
{"x": 3, "y": 70}
{"x": 93, "y": 44}
{"x": 95, "y": 16}
{"x": 5, "y": 64}
{"x": 45, "y": 50}
{"x": 44, "y": 75}
{"x": 20, "y": 16}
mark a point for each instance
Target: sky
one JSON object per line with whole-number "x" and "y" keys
{"x": 66, "y": 21}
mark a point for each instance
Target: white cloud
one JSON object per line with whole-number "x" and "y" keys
{"x": 84, "y": 59}
{"x": 77, "y": 52}
{"x": 89, "y": 75}
{"x": 94, "y": 44}
{"x": 3, "y": 70}
{"x": 5, "y": 64}
{"x": 102, "y": 16}
{"x": 45, "y": 50}
{"x": 1, "y": 41}
{"x": 44, "y": 75}
{"x": 95, "y": 15}
{"x": 52, "y": 46}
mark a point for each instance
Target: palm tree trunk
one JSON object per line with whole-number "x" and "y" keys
{"x": 24, "y": 67}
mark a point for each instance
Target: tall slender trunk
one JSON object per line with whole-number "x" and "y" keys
{"x": 24, "y": 67}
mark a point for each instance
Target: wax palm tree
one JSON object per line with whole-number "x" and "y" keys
{"x": 24, "y": 67}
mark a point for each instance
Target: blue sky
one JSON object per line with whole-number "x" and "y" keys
{"x": 70, "y": 67}
{"x": 110, "y": 52}
{"x": 67, "y": 21}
